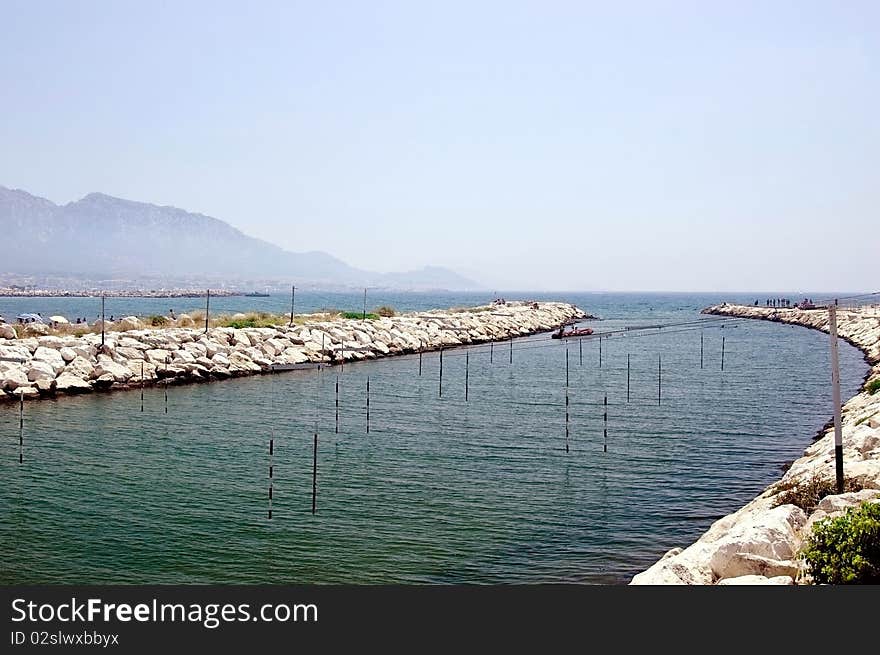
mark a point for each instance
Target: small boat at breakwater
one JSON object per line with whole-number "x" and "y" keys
{"x": 562, "y": 333}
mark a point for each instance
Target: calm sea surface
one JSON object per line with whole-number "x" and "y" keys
{"x": 441, "y": 490}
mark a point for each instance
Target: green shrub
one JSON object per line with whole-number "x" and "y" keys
{"x": 809, "y": 493}
{"x": 359, "y": 315}
{"x": 846, "y": 549}
{"x": 386, "y": 311}
{"x": 157, "y": 321}
{"x": 241, "y": 323}
{"x": 873, "y": 386}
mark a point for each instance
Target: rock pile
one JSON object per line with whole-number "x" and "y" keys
{"x": 41, "y": 366}
{"x": 758, "y": 544}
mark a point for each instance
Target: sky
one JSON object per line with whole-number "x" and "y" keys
{"x": 678, "y": 146}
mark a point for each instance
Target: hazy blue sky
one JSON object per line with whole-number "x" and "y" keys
{"x": 609, "y": 145}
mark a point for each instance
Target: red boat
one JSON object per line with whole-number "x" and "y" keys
{"x": 574, "y": 332}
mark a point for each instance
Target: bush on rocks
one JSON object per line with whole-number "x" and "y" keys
{"x": 846, "y": 549}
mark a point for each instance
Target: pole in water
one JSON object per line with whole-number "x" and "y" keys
{"x": 102, "y": 319}
{"x": 368, "y": 404}
{"x": 600, "y": 351}
{"x": 271, "y": 449}
{"x": 580, "y": 352}
{"x": 605, "y": 426}
{"x": 722, "y": 353}
{"x": 142, "y": 385}
{"x": 701, "y": 349}
{"x": 467, "y": 367}
{"x": 315, "y": 475}
{"x": 166, "y": 396}
{"x": 337, "y": 404}
{"x": 627, "y": 377}
{"x": 566, "y": 418}
{"x": 207, "y": 309}
{"x": 292, "y": 298}
{"x": 491, "y": 351}
{"x": 420, "y": 360}
{"x": 511, "y": 349}
{"x": 659, "y": 377}
{"x": 566, "y": 364}
{"x": 21, "y": 427}
{"x": 323, "y": 350}
{"x": 835, "y": 393}
{"x": 441, "y": 372}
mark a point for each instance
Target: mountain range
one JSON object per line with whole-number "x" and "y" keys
{"x": 102, "y": 237}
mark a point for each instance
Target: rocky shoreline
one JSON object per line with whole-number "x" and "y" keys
{"x": 759, "y": 543}
{"x": 46, "y": 366}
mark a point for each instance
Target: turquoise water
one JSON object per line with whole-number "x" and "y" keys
{"x": 441, "y": 490}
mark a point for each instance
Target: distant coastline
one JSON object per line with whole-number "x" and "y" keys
{"x": 11, "y": 292}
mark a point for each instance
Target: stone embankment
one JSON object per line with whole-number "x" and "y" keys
{"x": 47, "y": 365}
{"x": 759, "y": 543}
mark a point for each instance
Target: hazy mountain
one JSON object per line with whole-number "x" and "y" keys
{"x": 101, "y": 236}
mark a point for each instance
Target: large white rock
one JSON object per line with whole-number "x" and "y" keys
{"x": 13, "y": 378}
{"x": 7, "y": 331}
{"x": 15, "y": 353}
{"x": 157, "y": 355}
{"x": 118, "y": 372}
{"x": 69, "y": 383}
{"x": 129, "y": 323}
{"x": 80, "y": 367}
{"x": 764, "y": 545}
{"x": 240, "y": 338}
{"x": 39, "y": 370}
{"x": 67, "y": 354}
{"x": 51, "y": 357}
{"x": 51, "y": 342}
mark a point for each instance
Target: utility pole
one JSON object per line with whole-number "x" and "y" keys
{"x": 835, "y": 391}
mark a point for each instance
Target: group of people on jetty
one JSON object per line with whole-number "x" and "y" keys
{"x": 806, "y": 303}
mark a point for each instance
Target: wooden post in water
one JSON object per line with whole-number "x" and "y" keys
{"x": 627, "y": 377}
{"x": 207, "y": 309}
{"x": 511, "y": 347}
{"x": 566, "y": 365}
{"x": 701, "y": 349}
{"x": 315, "y": 475}
{"x": 368, "y": 404}
{"x": 605, "y": 426}
{"x": 420, "y": 359}
{"x": 600, "y": 351}
{"x": 323, "y": 350}
{"x": 271, "y": 449}
{"x": 166, "y": 396}
{"x": 580, "y": 351}
{"x": 441, "y": 372}
{"x": 292, "y": 298}
{"x": 491, "y": 351}
{"x": 835, "y": 395}
{"x": 566, "y": 418}
{"x": 467, "y": 367}
{"x": 142, "y": 385}
{"x": 722, "y": 353}
{"x": 21, "y": 427}
{"x": 659, "y": 377}
{"x": 103, "y": 320}
{"x": 337, "y": 405}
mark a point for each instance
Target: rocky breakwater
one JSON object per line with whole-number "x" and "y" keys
{"x": 43, "y": 366}
{"x": 759, "y": 543}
